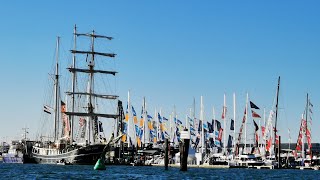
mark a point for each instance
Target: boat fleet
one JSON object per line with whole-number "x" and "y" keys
{"x": 78, "y": 136}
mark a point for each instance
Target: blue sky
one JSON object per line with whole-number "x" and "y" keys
{"x": 169, "y": 52}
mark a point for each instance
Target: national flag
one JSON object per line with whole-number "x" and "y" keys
{"x": 220, "y": 134}
{"x": 256, "y": 126}
{"x": 252, "y": 105}
{"x": 159, "y": 118}
{"x": 255, "y": 115}
{"x": 63, "y": 107}
{"x": 205, "y": 126}
{"x": 232, "y": 125}
{"x": 127, "y": 114}
{"x": 218, "y": 125}
{"x": 269, "y": 143}
{"x": 135, "y": 119}
{"x": 210, "y": 127}
{"x": 47, "y": 109}
{"x": 230, "y": 139}
{"x": 190, "y": 120}
{"x": 224, "y": 112}
{"x": 263, "y": 130}
{"x": 200, "y": 127}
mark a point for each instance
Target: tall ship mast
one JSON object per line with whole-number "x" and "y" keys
{"x": 78, "y": 134}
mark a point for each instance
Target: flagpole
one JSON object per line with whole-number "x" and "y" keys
{"x": 157, "y": 130}
{"x": 144, "y": 119}
{"x": 129, "y": 124}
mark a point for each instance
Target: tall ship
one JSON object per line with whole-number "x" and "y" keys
{"x": 78, "y": 136}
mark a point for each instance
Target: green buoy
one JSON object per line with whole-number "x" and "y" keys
{"x": 99, "y": 165}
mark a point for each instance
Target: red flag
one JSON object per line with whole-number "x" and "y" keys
{"x": 268, "y": 144}
{"x": 220, "y": 134}
{"x": 277, "y": 139}
{"x": 263, "y": 130}
{"x": 224, "y": 112}
{"x": 255, "y": 115}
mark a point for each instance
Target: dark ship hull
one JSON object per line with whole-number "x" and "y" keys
{"x": 86, "y": 155}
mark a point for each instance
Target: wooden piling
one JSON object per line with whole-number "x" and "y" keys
{"x": 184, "y": 149}
{"x": 279, "y": 151}
{"x": 166, "y": 157}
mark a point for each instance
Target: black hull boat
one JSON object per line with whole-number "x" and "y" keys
{"x": 86, "y": 155}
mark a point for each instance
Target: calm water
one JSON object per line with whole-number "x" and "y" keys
{"x": 37, "y": 171}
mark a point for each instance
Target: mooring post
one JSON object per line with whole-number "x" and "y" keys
{"x": 279, "y": 150}
{"x": 184, "y": 149}
{"x": 166, "y": 157}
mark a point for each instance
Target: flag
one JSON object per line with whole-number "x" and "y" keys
{"x": 63, "y": 107}
{"x": 269, "y": 143}
{"x": 220, "y": 134}
{"x": 252, "y": 105}
{"x": 159, "y": 118}
{"x": 190, "y": 120}
{"x": 179, "y": 122}
{"x": 165, "y": 118}
{"x": 230, "y": 141}
{"x": 205, "y": 126}
{"x": 135, "y": 120}
{"x": 200, "y": 127}
{"x": 218, "y": 125}
{"x": 47, "y": 109}
{"x": 232, "y": 125}
{"x": 256, "y": 126}
{"x": 255, "y": 115}
{"x": 263, "y": 130}
{"x": 127, "y": 114}
{"x": 224, "y": 112}
{"x": 210, "y": 127}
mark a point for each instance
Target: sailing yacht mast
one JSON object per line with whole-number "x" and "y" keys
{"x": 275, "y": 126}
{"x": 307, "y": 105}
{"x": 245, "y": 125}
{"x": 129, "y": 122}
{"x": 234, "y": 123}
{"x": 144, "y": 115}
{"x": 224, "y": 124}
{"x": 56, "y": 94}
{"x": 91, "y": 95}
{"x": 201, "y": 121}
{"x": 214, "y": 126}
{"x": 73, "y": 81}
